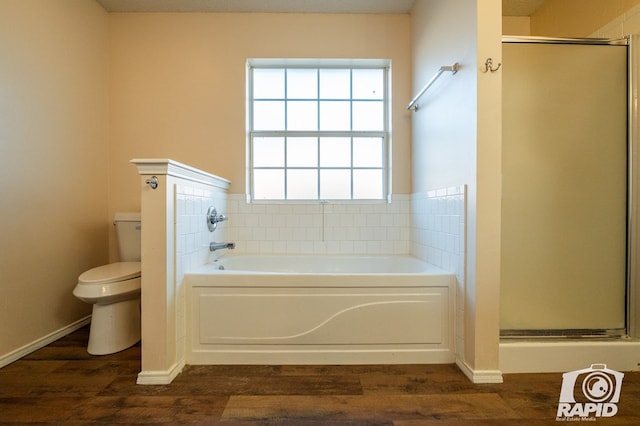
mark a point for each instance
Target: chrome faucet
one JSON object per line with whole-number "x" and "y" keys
{"x": 213, "y": 218}
{"x": 218, "y": 246}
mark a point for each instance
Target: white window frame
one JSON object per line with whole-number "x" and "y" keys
{"x": 384, "y": 134}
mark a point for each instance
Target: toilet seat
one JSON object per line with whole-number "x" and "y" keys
{"x": 111, "y": 273}
{"x": 109, "y": 283}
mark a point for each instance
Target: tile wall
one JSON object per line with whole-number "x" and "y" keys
{"x": 428, "y": 225}
{"x": 382, "y": 228}
{"x": 192, "y": 234}
{"x": 437, "y": 223}
{"x": 438, "y": 237}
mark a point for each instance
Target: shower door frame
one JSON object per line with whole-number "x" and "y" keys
{"x": 633, "y": 189}
{"x": 632, "y": 284}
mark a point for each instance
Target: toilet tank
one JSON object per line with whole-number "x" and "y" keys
{"x": 128, "y": 234}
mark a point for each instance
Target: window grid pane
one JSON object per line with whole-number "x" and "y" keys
{"x": 318, "y": 168}
{"x": 302, "y": 84}
{"x": 333, "y": 184}
{"x": 328, "y": 128}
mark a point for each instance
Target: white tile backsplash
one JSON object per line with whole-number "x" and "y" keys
{"x": 382, "y": 228}
{"x": 427, "y": 225}
{"x": 192, "y": 234}
{"x": 437, "y": 223}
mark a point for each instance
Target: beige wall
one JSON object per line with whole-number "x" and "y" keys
{"x": 53, "y": 168}
{"x": 516, "y": 25}
{"x": 444, "y": 128}
{"x": 456, "y": 141}
{"x": 576, "y": 18}
{"x": 485, "y": 297}
{"x": 178, "y": 85}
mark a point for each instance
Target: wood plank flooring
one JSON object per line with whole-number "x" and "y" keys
{"x": 63, "y": 384}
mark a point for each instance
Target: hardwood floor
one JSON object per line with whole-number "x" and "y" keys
{"x": 62, "y": 384}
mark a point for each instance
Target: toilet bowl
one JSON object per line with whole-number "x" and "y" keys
{"x": 114, "y": 291}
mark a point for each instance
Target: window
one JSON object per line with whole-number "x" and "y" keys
{"x": 318, "y": 130}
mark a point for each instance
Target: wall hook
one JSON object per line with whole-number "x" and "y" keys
{"x": 488, "y": 66}
{"x": 153, "y": 182}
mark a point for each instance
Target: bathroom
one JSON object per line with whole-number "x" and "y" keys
{"x": 114, "y": 87}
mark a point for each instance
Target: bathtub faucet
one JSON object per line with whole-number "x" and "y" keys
{"x": 219, "y": 246}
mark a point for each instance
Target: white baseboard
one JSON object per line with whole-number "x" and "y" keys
{"x": 479, "y": 376}
{"x": 43, "y": 341}
{"x": 562, "y": 356}
{"x": 160, "y": 377}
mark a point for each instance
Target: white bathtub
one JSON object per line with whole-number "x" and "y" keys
{"x": 326, "y": 264}
{"x": 253, "y": 309}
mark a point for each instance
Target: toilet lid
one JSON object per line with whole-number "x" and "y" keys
{"x": 112, "y": 272}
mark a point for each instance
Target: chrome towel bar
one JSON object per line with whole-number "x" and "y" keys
{"x": 414, "y": 102}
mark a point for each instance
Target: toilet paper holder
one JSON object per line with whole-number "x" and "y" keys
{"x": 152, "y": 182}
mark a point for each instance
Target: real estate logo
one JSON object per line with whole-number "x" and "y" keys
{"x": 589, "y": 393}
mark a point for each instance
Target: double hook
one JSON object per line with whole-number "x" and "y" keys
{"x": 488, "y": 66}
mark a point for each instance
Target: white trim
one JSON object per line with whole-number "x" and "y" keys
{"x": 479, "y": 376}
{"x": 551, "y": 357}
{"x": 160, "y": 166}
{"x": 43, "y": 341}
{"x": 318, "y": 65}
{"x": 317, "y": 62}
{"x": 160, "y": 377}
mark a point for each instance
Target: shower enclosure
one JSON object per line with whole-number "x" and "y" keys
{"x": 565, "y": 188}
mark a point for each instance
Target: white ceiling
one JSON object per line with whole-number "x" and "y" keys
{"x": 509, "y": 7}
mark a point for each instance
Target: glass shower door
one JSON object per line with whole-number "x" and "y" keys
{"x": 564, "y": 203}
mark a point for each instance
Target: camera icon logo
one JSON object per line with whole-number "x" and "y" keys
{"x": 590, "y": 391}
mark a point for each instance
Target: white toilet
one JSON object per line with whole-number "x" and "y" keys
{"x": 114, "y": 291}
